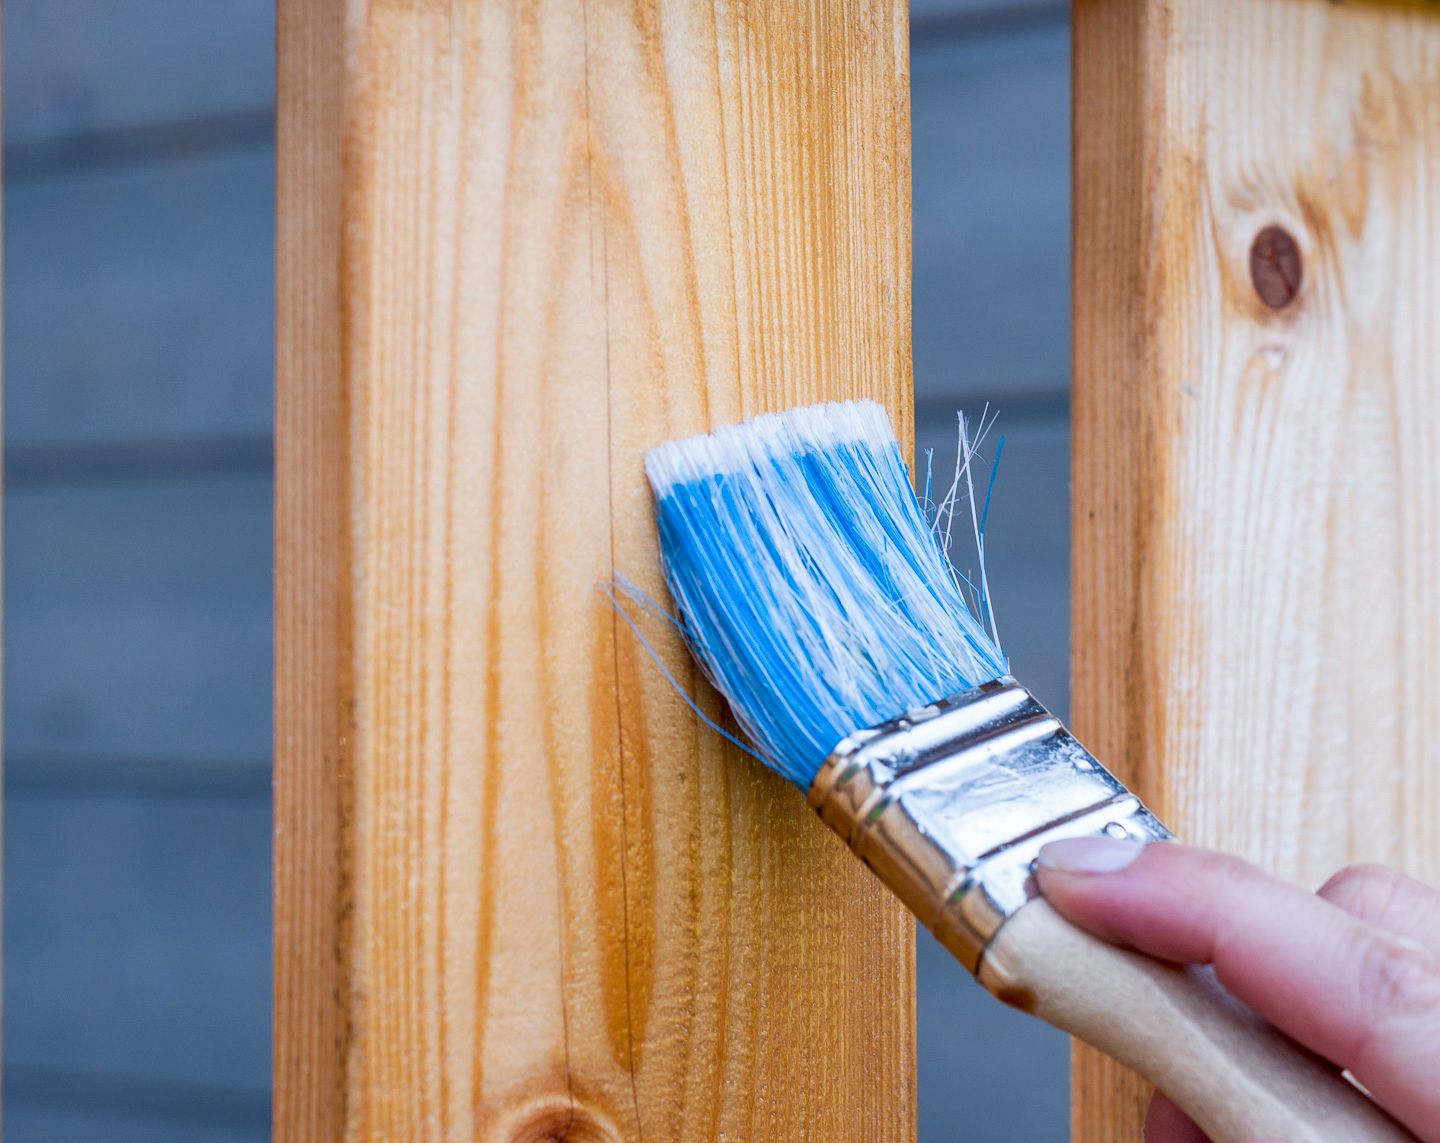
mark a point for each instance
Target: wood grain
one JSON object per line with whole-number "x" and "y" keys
{"x": 520, "y": 892}
{"x": 1257, "y": 491}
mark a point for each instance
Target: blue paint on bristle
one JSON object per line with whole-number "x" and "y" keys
{"x": 810, "y": 585}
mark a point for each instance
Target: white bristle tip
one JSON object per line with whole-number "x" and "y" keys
{"x": 735, "y": 448}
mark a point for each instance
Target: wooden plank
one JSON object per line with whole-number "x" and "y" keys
{"x": 519, "y": 890}
{"x": 1257, "y": 490}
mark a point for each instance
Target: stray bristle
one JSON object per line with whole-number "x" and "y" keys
{"x": 810, "y": 586}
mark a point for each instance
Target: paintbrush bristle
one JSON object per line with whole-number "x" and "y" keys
{"x": 810, "y": 585}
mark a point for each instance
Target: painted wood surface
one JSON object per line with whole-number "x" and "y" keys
{"x": 62, "y": 1124}
{"x": 146, "y": 759}
{"x": 139, "y": 256}
{"x": 87, "y": 69}
{"x": 1257, "y": 486}
{"x": 992, "y": 203}
{"x": 168, "y": 989}
{"x": 147, "y": 314}
{"x": 945, "y": 17}
{"x": 520, "y": 890}
{"x": 148, "y": 309}
{"x": 166, "y": 587}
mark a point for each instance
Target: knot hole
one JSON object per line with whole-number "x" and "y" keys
{"x": 1276, "y": 268}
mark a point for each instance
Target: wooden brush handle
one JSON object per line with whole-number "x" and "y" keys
{"x": 1237, "y": 1077}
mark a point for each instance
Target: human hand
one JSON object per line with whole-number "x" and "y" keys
{"x": 1351, "y": 972}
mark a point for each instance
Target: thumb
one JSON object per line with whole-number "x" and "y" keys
{"x": 1365, "y": 999}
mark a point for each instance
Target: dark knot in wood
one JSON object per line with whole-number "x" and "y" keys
{"x": 1275, "y": 267}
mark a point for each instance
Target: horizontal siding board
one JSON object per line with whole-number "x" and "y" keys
{"x": 164, "y": 589}
{"x": 78, "y": 67}
{"x": 85, "y": 67}
{"x": 146, "y": 310}
{"x": 138, "y": 620}
{"x": 1018, "y": 1089}
{"x": 175, "y": 779}
{"x": 1015, "y": 1090}
{"x": 141, "y": 303}
{"x": 188, "y": 548}
{"x": 991, "y": 187}
{"x": 25, "y": 1124}
{"x": 139, "y": 345}
{"x": 128, "y": 1101}
{"x": 923, "y": 12}
{"x": 175, "y": 681}
{"x": 137, "y": 939}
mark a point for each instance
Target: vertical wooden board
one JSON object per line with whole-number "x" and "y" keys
{"x": 1256, "y": 486}
{"x": 313, "y": 582}
{"x": 520, "y": 891}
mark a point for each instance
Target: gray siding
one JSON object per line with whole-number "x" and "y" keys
{"x": 139, "y": 334}
{"x": 141, "y": 306}
{"x": 76, "y": 68}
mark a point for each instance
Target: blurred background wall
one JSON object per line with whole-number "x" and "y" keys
{"x": 138, "y": 295}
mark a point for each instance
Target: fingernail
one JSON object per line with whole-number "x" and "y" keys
{"x": 1089, "y": 855}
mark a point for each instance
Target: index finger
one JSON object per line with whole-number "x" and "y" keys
{"x": 1365, "y": 999}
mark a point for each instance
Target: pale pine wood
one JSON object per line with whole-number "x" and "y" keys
{"x": 1257, "y": 493}
{"x": 520, "y": 892}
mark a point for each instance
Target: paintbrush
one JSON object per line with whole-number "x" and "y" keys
{"x": 820, "y": 600}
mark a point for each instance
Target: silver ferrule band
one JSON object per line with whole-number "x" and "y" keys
{"x": 950, "y": 803}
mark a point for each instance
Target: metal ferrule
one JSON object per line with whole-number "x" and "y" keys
{"x": 950, "y": 803}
